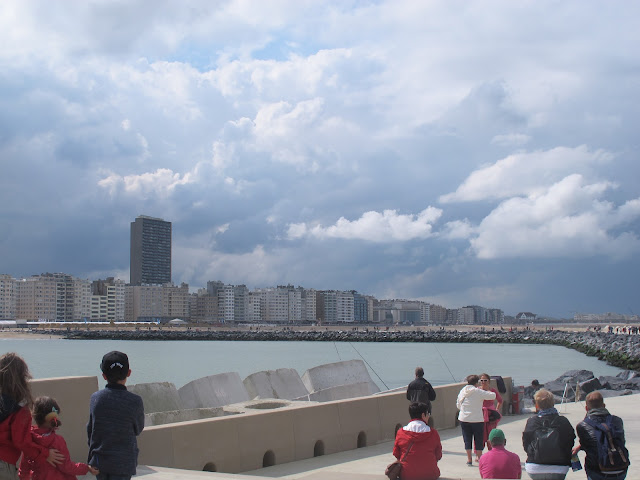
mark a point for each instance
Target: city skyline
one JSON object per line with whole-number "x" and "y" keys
{"x": 457, "y": 153}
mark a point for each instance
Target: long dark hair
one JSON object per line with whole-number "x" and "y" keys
{"x": 14, "y": 378}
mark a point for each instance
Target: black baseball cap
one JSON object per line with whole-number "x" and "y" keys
{"x": 114, "y": 362}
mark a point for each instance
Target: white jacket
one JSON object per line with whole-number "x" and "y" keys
{"x": 470, "y": 401}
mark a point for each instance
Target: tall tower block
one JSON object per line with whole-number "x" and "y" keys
{"x": 150, "y": 251}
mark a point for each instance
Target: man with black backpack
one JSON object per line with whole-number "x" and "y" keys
{"x": 601, "y": 436}
{"x": 548, "y": 440}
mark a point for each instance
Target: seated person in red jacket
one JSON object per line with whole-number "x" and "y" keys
{"x": 422, "y": 444}
{"x": 499, "y": 462}
{"x": 45, "y": 413}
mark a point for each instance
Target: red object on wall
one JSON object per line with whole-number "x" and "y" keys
{"x": 517, "y": 400}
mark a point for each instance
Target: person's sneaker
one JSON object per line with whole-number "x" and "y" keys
{"x": 469, "y": 464}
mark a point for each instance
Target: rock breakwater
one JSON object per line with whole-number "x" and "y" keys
{"x": 619, "y": 350}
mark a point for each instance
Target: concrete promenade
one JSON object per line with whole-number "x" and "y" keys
{"x": 369, "y": 463}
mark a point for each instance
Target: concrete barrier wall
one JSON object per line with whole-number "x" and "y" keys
{"x": 244, "y": 442}
{"x": 72, "y": 394}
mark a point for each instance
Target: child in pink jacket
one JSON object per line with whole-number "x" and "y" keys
{"x": 45, "y": 413}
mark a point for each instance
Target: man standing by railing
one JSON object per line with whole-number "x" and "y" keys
{"x": 421, "y": 391}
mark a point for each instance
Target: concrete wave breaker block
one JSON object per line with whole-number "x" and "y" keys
{"x": 283, "y": 383}
{"x": 157, "y": 397}
{"x": 213, "y": 391}
{"x": 341, "y": 392}
{"x": 330, "y": 375}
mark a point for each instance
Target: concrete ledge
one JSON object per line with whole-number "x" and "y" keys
{"x": 251, "y": 440}
{"x": 255, "y": 439}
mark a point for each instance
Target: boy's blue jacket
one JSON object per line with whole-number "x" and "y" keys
{"x": 116, "y": 418}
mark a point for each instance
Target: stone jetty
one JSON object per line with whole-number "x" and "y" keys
{"x": 619, "y": 350}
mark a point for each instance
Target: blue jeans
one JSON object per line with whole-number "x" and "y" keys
{"x": 591, "y": 475}
{"x": 108, "y": 476}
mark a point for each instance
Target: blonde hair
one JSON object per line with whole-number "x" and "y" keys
{"x": 544, "y": 399}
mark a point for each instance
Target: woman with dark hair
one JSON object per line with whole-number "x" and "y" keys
{"x": 469, "y": 402}
{"x": 418, "y": 446}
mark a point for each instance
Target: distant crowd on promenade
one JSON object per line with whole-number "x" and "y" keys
{"x": 619, "y": 330}
{"x": 548, "y": 437}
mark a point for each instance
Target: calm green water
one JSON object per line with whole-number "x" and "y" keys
{"x": 391, "y": 364}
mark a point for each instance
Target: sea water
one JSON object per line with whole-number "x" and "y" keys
{"x": 391, "y": 365}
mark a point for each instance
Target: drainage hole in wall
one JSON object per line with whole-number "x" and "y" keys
{"x": 210, "y": 467}
{"x": 269, "y": 459}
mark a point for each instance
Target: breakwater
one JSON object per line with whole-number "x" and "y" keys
{"x": 619, "y": 350}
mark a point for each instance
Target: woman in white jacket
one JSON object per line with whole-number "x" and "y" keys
{"x": 471, "y": 418}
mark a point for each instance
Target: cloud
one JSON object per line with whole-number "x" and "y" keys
{"x": 525, "y": 173}
{"x": 386, "y": 227}
{"x": 265, "y": 130}
{"x": 511, "y": 139}
{"x": 162, "y": 182}
{"x": 457, "y": 229}
{"x": 569, "y": 219}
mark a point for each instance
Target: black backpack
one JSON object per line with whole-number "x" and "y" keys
{"x": 545, "y": 446}
{"x": 612, "y": 454}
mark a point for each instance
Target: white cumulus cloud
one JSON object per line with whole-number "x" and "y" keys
{"x": 162, "y": 182}
{"x": 570, "y": 219}
{"x": 525, "y": 173}
{"x": 386, "y": 227}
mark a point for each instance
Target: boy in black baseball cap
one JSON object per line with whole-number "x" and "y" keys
{"x": 116, "y": 417}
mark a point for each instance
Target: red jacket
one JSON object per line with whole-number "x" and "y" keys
{"x": 421, "y": 463}
{"x": 67, "y": 470}
{"x": 15, "y": 437}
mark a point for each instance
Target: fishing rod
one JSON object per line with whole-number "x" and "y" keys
{"x": 365, "y": 361}
{"x": 445, "y": 363}
{"x": 336, "y": 346}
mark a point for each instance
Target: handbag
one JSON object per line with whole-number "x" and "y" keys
{"x": 394, "y": 469}
{"x": 494, "y": 415}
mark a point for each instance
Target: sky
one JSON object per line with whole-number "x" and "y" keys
{"x": 456, "y": 152}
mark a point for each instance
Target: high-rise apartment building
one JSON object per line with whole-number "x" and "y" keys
{"x": 107, "y": 300}
{"x": 7, "y": 297}
{"x": 150, "y": 251}
{"x": 156, "y": 303}
{"x": 53, "y": 297}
